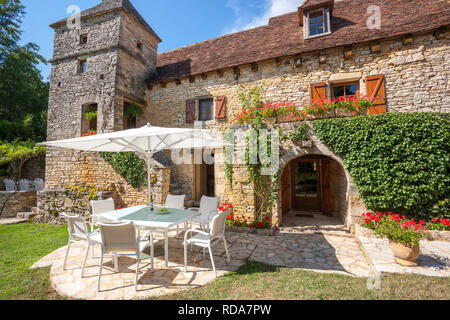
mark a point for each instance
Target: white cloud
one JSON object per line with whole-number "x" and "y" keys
{"x": 270, "y": 8}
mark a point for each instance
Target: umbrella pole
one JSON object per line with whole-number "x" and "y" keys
{"x": 149, "y": 183}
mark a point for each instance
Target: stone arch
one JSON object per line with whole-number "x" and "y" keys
{"x": 351, "y": 206}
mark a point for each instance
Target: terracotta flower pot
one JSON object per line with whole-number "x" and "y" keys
{"x": 405, "y": 255}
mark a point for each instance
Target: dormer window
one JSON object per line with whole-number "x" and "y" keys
{"x": 315, "y": 17}
{"x": 317, "y": 22}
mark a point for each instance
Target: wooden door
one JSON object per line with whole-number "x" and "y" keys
{"x": 285, "y": 188}
{"x": 306, "y": 185}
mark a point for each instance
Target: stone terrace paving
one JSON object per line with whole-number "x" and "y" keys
{"x": 308, "y": 251}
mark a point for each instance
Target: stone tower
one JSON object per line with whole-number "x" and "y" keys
{"x": 99, "y": 65}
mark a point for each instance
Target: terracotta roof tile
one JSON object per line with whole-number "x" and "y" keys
{"x": 284, "y": 37}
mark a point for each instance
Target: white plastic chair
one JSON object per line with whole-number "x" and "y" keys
{"x": 99, "y": 207}
{"x": 208, "y": 209}
{"x": 120, "y": 239}
{"x": 208, "y": 240}
{"x": 175, "y": 202}
{"x": 24, "y": 185}
{"x": 39, "y": 184}
{"x": 78, "y": 232}
{"x": 10, "y": 185}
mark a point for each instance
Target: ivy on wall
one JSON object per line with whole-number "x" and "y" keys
{"x": 399, "y": 162}
{"x": 132, "y": 168}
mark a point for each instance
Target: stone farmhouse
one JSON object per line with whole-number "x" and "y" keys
{"x": 396, "y": 51}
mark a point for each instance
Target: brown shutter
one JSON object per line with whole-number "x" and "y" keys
{"x": 375, "y": 86}
{"x": 318, "y": 91}
{"x": 190, "y": 111}
{"x": 221, "y": 108}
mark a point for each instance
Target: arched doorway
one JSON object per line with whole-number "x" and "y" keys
{"x": 313, "y": 186}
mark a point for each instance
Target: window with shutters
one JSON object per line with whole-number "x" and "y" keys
{"x": 205, "y": 108}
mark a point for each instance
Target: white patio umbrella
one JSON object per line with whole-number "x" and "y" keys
{"x": 147, "y": 140}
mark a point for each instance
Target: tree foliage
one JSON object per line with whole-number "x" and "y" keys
{"x": 23, "y": 92}
{"x": 399, "y": 162}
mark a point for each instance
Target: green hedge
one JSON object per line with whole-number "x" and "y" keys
{"x": 132, "y": 168}
{"x": 398, "y": 161}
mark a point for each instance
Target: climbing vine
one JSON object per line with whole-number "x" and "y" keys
{"x": 132, "y": 168}
{"x": 229, "y": 158}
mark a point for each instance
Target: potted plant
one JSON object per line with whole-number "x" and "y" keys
{"x": 91, "y": 115}
{"x": 132, "y": 111}
{"x": 403, "y": 234}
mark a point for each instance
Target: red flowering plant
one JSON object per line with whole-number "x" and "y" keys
{"x": 239, "y": 221}
{"x": 270, "y": 111}
{"x": 396, "y": 228}
{"x": 356, "y": 104}
{"x": 438, "y": 224}
{"x": 90, "y": 133}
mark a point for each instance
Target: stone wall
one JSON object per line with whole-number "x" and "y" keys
{"x": 76, "y": 167}
{"x": 116, "y": 70}
{"x": 52, "y": 203}
{"x": 415, "y": 77}
{"x": 20, "y": 201}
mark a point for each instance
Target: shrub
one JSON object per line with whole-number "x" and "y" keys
{"x": 398, "y": 161}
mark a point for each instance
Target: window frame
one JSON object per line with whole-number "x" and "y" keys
{"x": 340, "y": 84}
{"x": 326, "y": 22}
{"x": 81, "y": 63}
{"x": 83, "y": 39}
{"x": 210, "y": 114}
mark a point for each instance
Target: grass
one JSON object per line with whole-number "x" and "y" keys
{"x": 259, "y": 281}
{"x": 24, "y": 244}
{"x": 20, "y": 247}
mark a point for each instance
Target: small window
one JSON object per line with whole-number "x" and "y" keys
{"x": 206, "y": 110}
{"x": 345, "y": 89}
{"x": 139, "y": 45}
{"x": 82, "y": 66}
{"x": 317, "y": 22}
{"x": 83, "y": 39}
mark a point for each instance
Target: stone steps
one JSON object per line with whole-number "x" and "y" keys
{"x": 339, "y": 231}
{"x": 29, "y": 214}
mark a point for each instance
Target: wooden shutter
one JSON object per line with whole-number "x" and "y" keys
{"x": 375, "y": 86}
{"x": 221, "y": 108}
{"x": 318, "y": 91}
{"x": 190, "y": 111}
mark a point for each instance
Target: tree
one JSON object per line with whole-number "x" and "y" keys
{"x": 23, "y": 93}
{"x": 11, "y": 13}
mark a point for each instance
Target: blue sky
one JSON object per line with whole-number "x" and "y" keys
{"x": 177, "y": 22}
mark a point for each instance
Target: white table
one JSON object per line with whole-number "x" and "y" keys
{"x": 153, "y": 221}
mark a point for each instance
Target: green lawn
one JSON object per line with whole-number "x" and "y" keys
{"x": 24, "y": 244}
